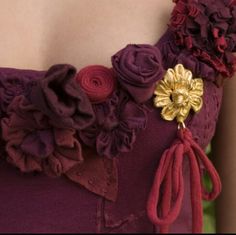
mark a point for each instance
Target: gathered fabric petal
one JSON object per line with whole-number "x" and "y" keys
{"x": 166, "y": 196}
{"x": 117, "y": 122}
{"x": 33, "y": 144}
{"x": 39, "y": 144}
{"x": 60, "y": 97}
{"x": 119, "y": 140}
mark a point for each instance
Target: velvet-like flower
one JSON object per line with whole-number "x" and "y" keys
{"x": 12, "y": 86}
{"x": 207, "y": 28}
{"x": 33, "y": 143}
{"x": 178, "y": 93}
{"x": 138, "y": 68}
{"x": 97, "y": 81}
{"x": 59, "y": 96}
{"x": 117, "y": 122}
{"x": 173, "y": 55}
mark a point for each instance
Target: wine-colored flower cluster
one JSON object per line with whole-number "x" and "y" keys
{"x": 118, "y": 96}
{"x": 118, "y": 121}
{"x": 207, "y": 28}
{"x": 40, "y": 124}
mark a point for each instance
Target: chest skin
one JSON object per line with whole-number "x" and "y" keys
{"x": 83, "y": 32}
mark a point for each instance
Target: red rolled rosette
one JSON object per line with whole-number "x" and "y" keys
{"x": 97, "y": 81}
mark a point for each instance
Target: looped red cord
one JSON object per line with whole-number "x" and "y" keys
{"x": 163, "y": 208}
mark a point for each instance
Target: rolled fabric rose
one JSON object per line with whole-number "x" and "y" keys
{"x": 138, "y": 67}
{"x": 97, "y": 81}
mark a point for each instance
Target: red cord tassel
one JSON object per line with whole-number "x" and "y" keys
{"x": 163, "y": 210}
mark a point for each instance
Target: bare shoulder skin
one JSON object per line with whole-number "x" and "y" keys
{"x": 38, "y": 33}
{"x": 224, "y": 155}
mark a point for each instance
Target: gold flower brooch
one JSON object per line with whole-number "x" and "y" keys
{"x": 178, "y": 93}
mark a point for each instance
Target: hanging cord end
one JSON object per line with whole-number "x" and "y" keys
{"x": 163, "y": 208}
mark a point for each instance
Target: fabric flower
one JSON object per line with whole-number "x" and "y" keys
{"x": 12, "y": 86}
{"x": 60, "y": 97}
{"x": 138, "y": 67}
{"x": 33, "y": 143}
{"x": 117, "y": 122}
{"x": 178, "y": 93}
{"x": 207, "y": 28}
{"x": 97, "y": 81}
{"x": 173, "y": 55}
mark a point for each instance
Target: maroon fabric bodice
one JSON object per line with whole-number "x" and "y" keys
{"x": 32, "y": 202}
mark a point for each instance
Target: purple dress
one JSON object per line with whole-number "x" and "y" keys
{"x": 34, "y": 202}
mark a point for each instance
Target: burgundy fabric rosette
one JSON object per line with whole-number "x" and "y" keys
{"x": 60, "y": 97}
{"x": 12, "y": 85}
{"x": 138, "y": 68}
{"x": 97, "y": 81}
{"x": 207, "y": 28}
{"x": 173, "y": 55}
{"x": 117, "y": 122}
{"x": 33, "y": 143}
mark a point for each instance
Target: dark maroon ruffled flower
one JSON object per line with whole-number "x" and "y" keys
{"x": 207, "y": 28}
{"x": 60, "y": 97}
{"x": 33, "y": 143}
{"x": 118, "y": 121}
{"x": 12, "y": 86}
{"x": 97, "y": 81}
{"x": 173, "y": 55}
{"x": 138, "y": 68}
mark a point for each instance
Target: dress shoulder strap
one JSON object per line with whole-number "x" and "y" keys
{"x": 202, "y": 36}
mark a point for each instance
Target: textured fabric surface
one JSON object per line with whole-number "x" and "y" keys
{"x": 39, "y": 204}
{"x": 103, "y": 195}
{"x": 56, "y": 205}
